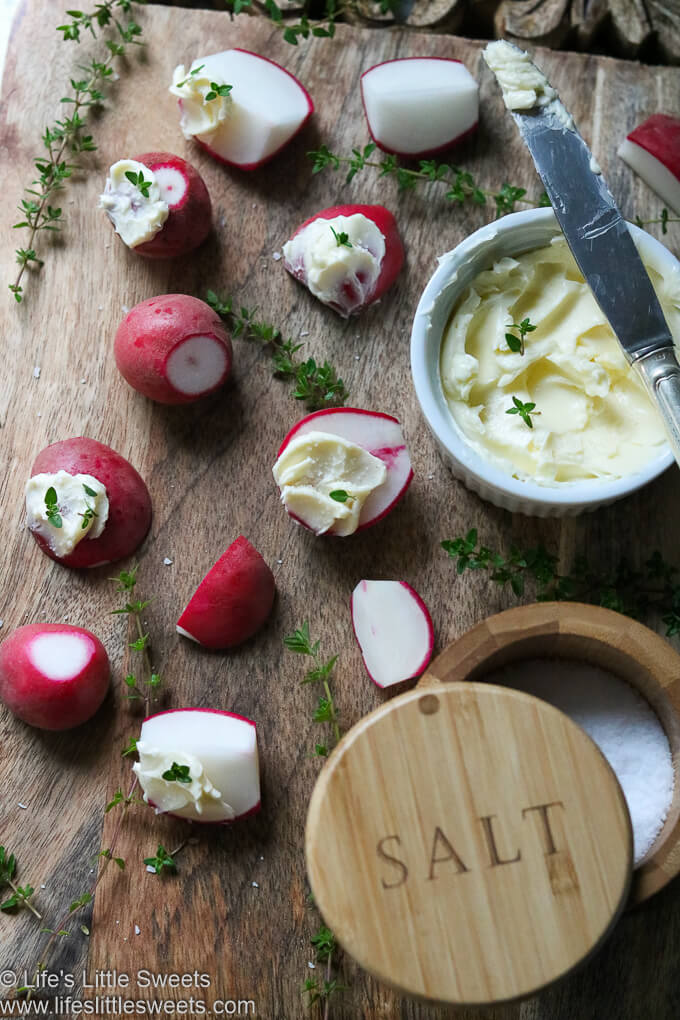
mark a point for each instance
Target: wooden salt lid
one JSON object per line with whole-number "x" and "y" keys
{"x": 468, "y": 843}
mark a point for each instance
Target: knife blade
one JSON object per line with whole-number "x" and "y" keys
{"x": 602, "y": 246}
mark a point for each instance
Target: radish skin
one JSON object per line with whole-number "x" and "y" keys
{"x": 52, "y": 675}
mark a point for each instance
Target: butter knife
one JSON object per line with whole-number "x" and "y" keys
{"x": 592, "y": 224}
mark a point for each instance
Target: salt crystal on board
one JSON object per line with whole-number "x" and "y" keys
{"x": 277, "y": 256}
{"x": 36, "y": 372}
{"x": 167, "y": 561}
{"x": 619, "y": 721}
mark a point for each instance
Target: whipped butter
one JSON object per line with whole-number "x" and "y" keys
{"x": 523, "y": 85}
{"x": 197, "y": 798}
{"x": 78, "y": 513}
{"x": 200, "y": 115}
{"x": 593, "y": 417}
{"x": 315, "y": 465}
{"x": 137, "y": 215}
{"x": 341, "y": 275}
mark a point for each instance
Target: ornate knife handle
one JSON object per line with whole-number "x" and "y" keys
{"x": 661, "y": 373}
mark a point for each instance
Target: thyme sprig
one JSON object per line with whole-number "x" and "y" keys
{"x": 461, "y": 185}
{"x": 634, "y": 591}
{"x": 514, "y": 342}
{"x": 147, "y": 689}
{"x": 52, "y": 508}
{"x": 524, "y": 410}
{"x": 21, "y": 895}
{"x": 162, "y": 860}
{"x": 65, "y": 140}
{"x": 322, "y": 26}
{"x": 317, "y": 385}
{"x": 664, "y": 218}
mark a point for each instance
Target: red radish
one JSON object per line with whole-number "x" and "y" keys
{"x": 653, "y": 152}
{"x": 219, "y": 749}
{"x": 264, "y": 109}
{"x": 419, "y": 106}
{"x": 52, "y": 675}
{"x": 394, "y": 630}
{"x": 232, "y": 601}
{"x": 129, "y": 503}
{"x": 189, "y": 210}
{"x": 381, "y": 435}
{"x": 347, "y": 255}
{"x": 173, "y": 349}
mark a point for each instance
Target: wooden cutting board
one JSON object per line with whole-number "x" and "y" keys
{"x": 238, "y": 908}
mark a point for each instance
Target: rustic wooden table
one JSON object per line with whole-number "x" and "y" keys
{"x": 238, "y": 909}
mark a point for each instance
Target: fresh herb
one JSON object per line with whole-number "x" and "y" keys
{"x": 146, "y": 689}
{"x": 192, "y": 74}
{"x": 523, "y": 410}
{"x": 633, "y": 591}
{"x": 90, "y": 512}
{"x": 65, "y": 140}
{"x": 516, "y": 343}
{"x": 89, "y": 492}
{"x": 339, "y": 495}
{"x": 52, "y": 508}
{"x": 461, "y": 185}
{"x": 664, "y": 218}
{"x": 217, "y": 90}
{"x": 21, "y": 895}
{"x": 300, "y": 642}
{"x": 316, "y": 385}
{"x": 131, "y": 747}
{"x": 177, "y": 774}
{"x": 322, "y": 26}
{"x": 138, "y": 181}
{"x": 164, "y": 860}
{"x": 341, "y": 238}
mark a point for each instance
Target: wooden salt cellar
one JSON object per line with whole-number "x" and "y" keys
{"x": 468, "y": 843}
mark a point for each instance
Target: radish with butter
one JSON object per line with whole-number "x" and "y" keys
{"x": 241, "y": 107}
{"x": 342, "y": 469}
{"x": 419, "y": 106}
{"x": 394, "y": 631}
{"x": 652, "y": 150}
{"x": 158, "y": 204}
{"x": 347, "y": 255}
{"x": 52, "y": 675}
{"x": 199, "y": 764}
{"x": 173, "y": 349}
{"x": 232, "y": 601}
{"x": 85, "y": 504}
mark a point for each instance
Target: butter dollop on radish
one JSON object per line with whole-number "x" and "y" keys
{"x": 199, "y": 764}
{"x": 418, "y": 106}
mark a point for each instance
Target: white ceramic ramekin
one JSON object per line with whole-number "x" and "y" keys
{"x": 511, "y": 235}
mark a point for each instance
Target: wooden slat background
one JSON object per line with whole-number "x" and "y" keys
{"x": 208, "y": 469}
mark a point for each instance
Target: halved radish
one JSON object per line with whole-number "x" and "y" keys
{"x": 418, "y": 106}
{"x": 653, "y": 152}
{"x": 189, "y": 209}
{"x": 213, "y": 757}
{"x": 394, "y": 630}
{"x": 263, "y": 106}
{"x": 52, "y": 675}
{"x": 377, "y": 433}
{"x": 119, "y": 516}
{"x": 347, "y": 255}
{"x": 173, "y": 349}
{"x": 232, "y": 601}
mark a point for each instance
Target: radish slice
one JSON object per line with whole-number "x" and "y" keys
{"x": 220, "y": 751}
{"x": 394, "y": 630}
{"x": 418, "y": 106}
{"x": 197, "y": 365}
{"x": 265, "y": 108}
{"x": 52, "y": 675}
{"x": 652, "y": 150}
{"x": 376, "y": 432}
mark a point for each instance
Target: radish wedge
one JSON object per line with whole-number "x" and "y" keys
{"x": 190, "y": 212}
{"x": 381, "y": 435}
{"x": 232, "y": 601}
{"x": 418, "y": 106}
{"x": 219, "y": 748}
{"x": 264, "y": 110}
{"x": 652, "y": 150}
{"x": 393, "y": 629}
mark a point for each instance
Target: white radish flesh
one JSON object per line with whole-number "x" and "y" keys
{"x": 652, "y": 150}
{"x": 172, "y": 184}
{"x": 226, "y": 746}
{"x": 394, "y": 630}
{"x": 268, "y": 107}
{"x": 197, "y": 365}
{"x": 417, "y": 106}
{"x": 60, "y": 656}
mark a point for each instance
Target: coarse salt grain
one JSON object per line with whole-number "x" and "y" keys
{"x": 167, "y": 561}
{"x": 36, "y": 372}
{"x": 619, "y": 721}
{"x": 277, "y": 256}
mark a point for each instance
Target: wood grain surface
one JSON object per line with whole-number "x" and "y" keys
{"x": 208, "y": 470}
